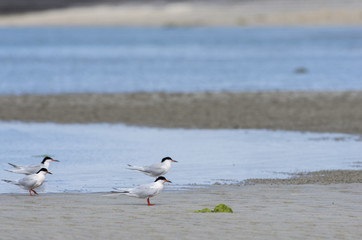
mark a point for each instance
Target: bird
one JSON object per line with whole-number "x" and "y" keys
{"x": 155, "y": 170}
{"x": 31, "y": 169}
{"x": 144, "y": 191}
{"x": 31, "y": 181}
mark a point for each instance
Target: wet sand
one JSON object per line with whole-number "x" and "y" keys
{"x": 338, "y": 112}
{"x": 182, "y": 13}
{"x": 260, "y": 212}
{"x": 317, "y": 177}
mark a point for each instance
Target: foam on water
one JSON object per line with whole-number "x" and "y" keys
{"x": 94, "y": 156}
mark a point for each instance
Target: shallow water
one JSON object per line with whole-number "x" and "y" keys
{"x": 94, "y": 156}
{"x": 110, "y": 60}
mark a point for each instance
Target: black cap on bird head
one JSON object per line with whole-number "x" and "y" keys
{"x": 44, "y": 170}
{"x": 49, "y": 158}
{"x": 46, "y": 158}
{"x": 166, "y": 158}
{"x": 162, "y": 178}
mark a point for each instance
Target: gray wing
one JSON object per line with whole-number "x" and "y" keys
{"x": 31, "y": 169}
{"x": 28, "y": 182}
{"x": 155, "y": 169}
{"x": 144, "y": 191}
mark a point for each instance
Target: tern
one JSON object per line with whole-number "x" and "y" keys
{"x": 31, "y": 169}
{"x": 155, "y": 170}
{"x": 31, "y": 181}
{"x": 145, "y": 190}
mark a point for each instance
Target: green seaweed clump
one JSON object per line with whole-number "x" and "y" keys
{"x": 219, "y": 208}
{"x": 223, "y": 208}
{"x": 204, "y": 210}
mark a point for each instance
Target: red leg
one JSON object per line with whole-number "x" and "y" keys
{"x": 148, "y": 201}
{"x": 34, "y": 191}
{"x": 30, "y": 193}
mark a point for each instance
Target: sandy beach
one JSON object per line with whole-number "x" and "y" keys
{"x": 260, "y": 212}
{"x": 182, "y": 13}
{"x": 338, "y": 112}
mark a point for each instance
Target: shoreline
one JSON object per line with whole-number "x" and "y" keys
{"x": 184, "y": 13}
{"x": 334, "y": 112}
{"x": 317, "y": 178}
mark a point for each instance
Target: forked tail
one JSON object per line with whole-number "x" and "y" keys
{"x": 120, "y": 190}
{"x": 20, "y": 171}
{"x": 131, "y": 167}
{"x": 10, "y": 181}
{"x": 14, "y": 166}
{"x": 116, "y": 192}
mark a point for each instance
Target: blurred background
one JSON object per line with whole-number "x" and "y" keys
{"x": 237, "y": 64}
{"x": 117, "y": 46}
{"x": 181, "y": 12}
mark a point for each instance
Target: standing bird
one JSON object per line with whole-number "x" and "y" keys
{"x": 156, "y": 169}
{"x": 31, "y": 181}
{"x": 145, "y": 190}
{"x": 31, "y": 169}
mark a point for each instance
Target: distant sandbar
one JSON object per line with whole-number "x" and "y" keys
{"x": 338, "y": 112}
